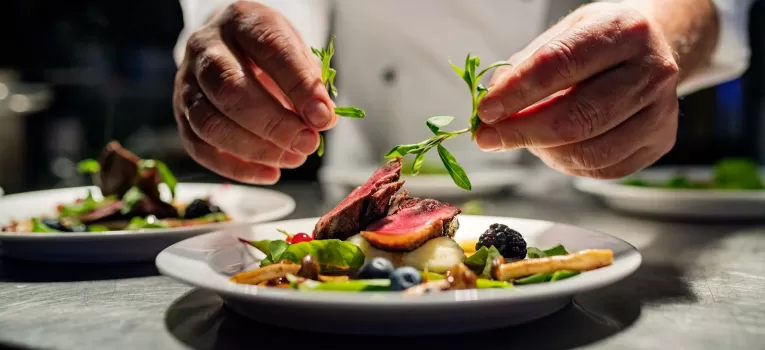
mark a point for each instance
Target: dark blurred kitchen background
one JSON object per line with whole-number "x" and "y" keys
{"x": 75, "y": 74}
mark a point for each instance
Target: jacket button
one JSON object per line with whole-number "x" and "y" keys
{"x": 389, "y": 76}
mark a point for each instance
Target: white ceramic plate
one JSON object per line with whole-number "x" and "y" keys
{"x": 675, "y": 203}
{"x": 208, "y": 261}
{"x": 485, "y": 181}
{"x": 245, "y": 205}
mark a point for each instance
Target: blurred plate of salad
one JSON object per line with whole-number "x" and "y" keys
{"x": 732, "y": 188}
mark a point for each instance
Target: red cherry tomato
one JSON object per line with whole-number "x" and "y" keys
{"x": 301, "y": 237}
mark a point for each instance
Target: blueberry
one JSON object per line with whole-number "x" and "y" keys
{"x": 54, "y": 224}
{"x": 404, "y": 277}
{"x": 375, "y": 268}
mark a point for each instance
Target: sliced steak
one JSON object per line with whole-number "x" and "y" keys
{"x": 106, "y": 212}
{"x": 365, "y": 204}
{"x": 119, "y": 168}
{"x": 411, "y": 222}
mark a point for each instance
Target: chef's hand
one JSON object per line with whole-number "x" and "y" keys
{"x": 248, "y": 95}
{"x": 613, "y": 109}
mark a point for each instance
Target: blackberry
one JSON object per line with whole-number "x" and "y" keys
{"x": 199, "y": 208}
{"x": 508, "y": 242}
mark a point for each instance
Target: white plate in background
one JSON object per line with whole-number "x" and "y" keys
{"x": 675, "y": 203}
{"x": 245, "y": 205}
{"x": 208, "y": 261}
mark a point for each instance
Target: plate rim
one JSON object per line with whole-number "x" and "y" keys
{"x": 289, "y": 208}
{"x": 632, "y": 260}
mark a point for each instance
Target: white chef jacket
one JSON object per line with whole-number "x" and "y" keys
{"x": 391, "y": 57}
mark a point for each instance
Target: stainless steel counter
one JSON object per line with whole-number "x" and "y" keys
{"x": 701, "y": 286}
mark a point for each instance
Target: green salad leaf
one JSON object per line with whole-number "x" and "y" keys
{"x": 88, "y": 166}
{"x": 130, "y": 199}
{"x": 533, "y": 252}
{"x": 97, "y": 228}
{"x": 330, "y": 253}
{"x": 38, "y": 226}
{"x": 480, "y": 261}
{"x": 139, "y": 223}
{"x": 85, "y": 206}
{"x": 737, "y": 174}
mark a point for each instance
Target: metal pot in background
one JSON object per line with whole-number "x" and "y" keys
{"x": 17, "y": 100}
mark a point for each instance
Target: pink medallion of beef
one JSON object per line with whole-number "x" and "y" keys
{"x": 411, "y": 222}
{"x": 367, "y": 203}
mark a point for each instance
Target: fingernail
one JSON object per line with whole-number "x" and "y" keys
{"x": 491, "y": 110}
{"x": 488, "y": 139}
{"x": 305, "y": 142}
{"x": 317, "y": 113}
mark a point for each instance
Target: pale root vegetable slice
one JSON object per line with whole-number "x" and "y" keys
{"x": 584, "y": 260}
{"x": 266, "y": 273}
{"x": 437, "y": 255}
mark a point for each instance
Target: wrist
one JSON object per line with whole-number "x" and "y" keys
{"x": 689, "y": 27}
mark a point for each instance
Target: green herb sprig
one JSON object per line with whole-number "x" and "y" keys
{"x": 328, "y": 78}
{"x": 471, "y": 76}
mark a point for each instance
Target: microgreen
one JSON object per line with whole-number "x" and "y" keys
{"x": 39, "y": 226}
{"x": 164, "y": 172}
{"x": 88, "y": 166}
{"x": 130, "y": 199}
{"x": 436, "y": 124}
{"x": 328, "y": 78}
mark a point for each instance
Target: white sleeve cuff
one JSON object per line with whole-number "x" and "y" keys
{"x": 731, "y": 56}
{"x": 309, "y": 17}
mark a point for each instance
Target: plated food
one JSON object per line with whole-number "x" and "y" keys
{"x": 380, "y": 239}
{"x": 727, "y": 174}
{"x": 129, "y": 199}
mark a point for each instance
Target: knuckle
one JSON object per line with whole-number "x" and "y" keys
{"x": 634, "y": 24}
{"x": 589, "y": 155}
{"x": 664, "y": 69}
{"x": 209, "y": 125}
{"x": 304, "y": 80}
{"x": 562, "y": 56}
{"x": 579, "y": 123}
{"x": 272, "y": 128}
{"x": 197, "y": 44}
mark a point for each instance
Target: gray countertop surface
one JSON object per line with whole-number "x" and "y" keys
{"x": 701, "y": 286}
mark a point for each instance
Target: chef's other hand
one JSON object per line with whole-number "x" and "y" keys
{"x": 248, "y": 95}
{"x": 611, "y": 78}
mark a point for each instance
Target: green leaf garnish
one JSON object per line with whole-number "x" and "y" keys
{"x": 417, "y": 164}
{"x": 435, "y": 124}
{"x": 139, "y": 223}
{"x": 85, "y": 206}
{"x": 455, "y": 170}
{"x": 330, "y": 253}
{"x": 88, "y": 166}
{"x": 97, "y": 228}
{"x": 320, "y": 151}
{"x": 350, "y": 112}
{"x": 328, "y": 78}
{"x": 130, "y": 199}
{"x": 480, "y": 261}
{"x": 38, "y": 226}
{"x": 164, "y": 173}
